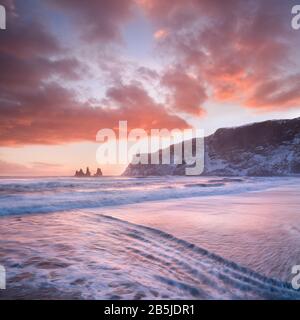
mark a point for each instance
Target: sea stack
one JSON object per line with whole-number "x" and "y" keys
{"x": 98, "y": 173}
{"x": 79, "y": 173}
{"x": 87, "y": 174}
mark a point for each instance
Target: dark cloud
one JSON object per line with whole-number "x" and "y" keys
{"x": 27, "y": 39}
{"x": 97, "y": 19}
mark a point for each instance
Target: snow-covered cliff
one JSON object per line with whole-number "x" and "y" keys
{"x": 269, "y": 148}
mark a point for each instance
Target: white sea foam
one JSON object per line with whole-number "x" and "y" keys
{"x": 25, "y": 196}
{"x": 152, "y": 249}
{"x": 101, "y": 257}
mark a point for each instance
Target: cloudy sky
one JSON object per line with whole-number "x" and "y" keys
{"x": 69, "y": 68}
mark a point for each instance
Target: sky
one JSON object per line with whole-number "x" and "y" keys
{"x": 69, "y": 68}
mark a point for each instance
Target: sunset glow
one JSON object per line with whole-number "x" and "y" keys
{"x": 69, "y": 69}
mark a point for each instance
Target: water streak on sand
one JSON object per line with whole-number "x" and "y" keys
{"x": 180, "y": 238}
{"x": 117, "y": 259}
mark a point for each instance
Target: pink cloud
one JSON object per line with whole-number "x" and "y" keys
{"x": 187, "y": 93}
{"x": 52, "y": 115}
{"x": 234, "y": 47}
{"x": 32, "y": 169}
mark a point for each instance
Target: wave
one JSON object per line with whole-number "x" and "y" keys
{"x": 116, "y": 259}
{"x": 27, "y": 196}
{"x": 227, "y": 180}
{"x": 213, "y": 274}
{"x": 204, "y": 185}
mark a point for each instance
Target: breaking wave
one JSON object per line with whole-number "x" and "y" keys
{"x": 24, "y": 196}
{"x": 115, "y": 259}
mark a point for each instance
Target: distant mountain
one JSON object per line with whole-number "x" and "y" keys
{"x": 269, "y": 148}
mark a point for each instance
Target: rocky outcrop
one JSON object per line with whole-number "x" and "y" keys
{"x": 81, "y": 174}
{"x": 98, "y": 173}
{"x": 269, "y": 148}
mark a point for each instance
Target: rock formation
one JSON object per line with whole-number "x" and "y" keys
{"x": 88, "y": 173}
{"x": 98, "y": 173}
{"x": 269, "y": 148}
{"x": 81, "y": 174}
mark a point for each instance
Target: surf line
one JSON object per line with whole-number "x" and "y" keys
{"x": 114, "y": 310}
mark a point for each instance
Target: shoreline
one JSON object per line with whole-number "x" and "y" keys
{"x": 74, "y": 250}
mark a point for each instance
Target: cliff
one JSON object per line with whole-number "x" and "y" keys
{"x": 269, "y": 148}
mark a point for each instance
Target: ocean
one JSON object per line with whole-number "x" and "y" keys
{"x": 150, "y": 238}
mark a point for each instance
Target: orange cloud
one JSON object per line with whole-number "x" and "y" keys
{"x": 236, "y": 48}
{"x": 160, "y": 34}
{"x": 52, "y": 115}
{"x": 37, "y": 105}
{"x": 276, "y": 94}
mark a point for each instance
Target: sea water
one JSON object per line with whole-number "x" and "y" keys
{"x": 156, "y": 237}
